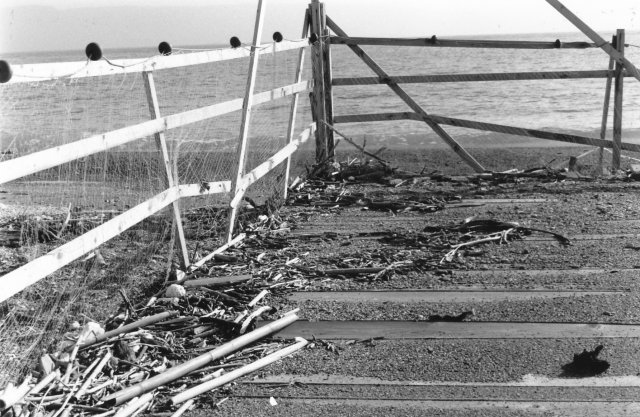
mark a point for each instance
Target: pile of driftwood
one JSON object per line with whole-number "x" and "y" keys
{"x": 196, "y": 335}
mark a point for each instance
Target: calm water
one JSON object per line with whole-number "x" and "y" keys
{"x": 37, "y": 115}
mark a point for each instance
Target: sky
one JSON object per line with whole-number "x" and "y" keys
{"x": 53, "y": 25}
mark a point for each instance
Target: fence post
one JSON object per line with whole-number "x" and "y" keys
{"x": 169, "y": 181}
{"x": 237, "y": 183}
{"x": 605, "y": 110}
{"x": 321, "y": 73}
{"x": 294, "y": 104}
{"x": 617, "y": 103}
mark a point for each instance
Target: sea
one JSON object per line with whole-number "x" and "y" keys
{"x": 567, "y": 106}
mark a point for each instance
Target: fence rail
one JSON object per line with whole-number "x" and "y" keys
{"x": 458, "y": 43}
{"x": 23, "y": 166}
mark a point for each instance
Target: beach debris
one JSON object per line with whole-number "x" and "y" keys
{"x": 585, "y": 364}
{"x": 459, "y": 317}
{"x": 175, "y": 291}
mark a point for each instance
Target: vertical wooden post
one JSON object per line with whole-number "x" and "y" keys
{"x": 605, "y": 111}
{"x": 318, "y": 28}
{"x": 327, "y": 87}
{"x": 617, "y": 103}
{"x": 237, "y": 190}
{"x": 161, "y": 144}
{"x": 294, "y": 103}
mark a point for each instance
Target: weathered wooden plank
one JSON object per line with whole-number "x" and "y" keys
{"x": 217, "y": 281}
{"x": 81, "y": 69}
{"x": 318, "y": 23}
{"x": 410, "y": 102}
{"x": 480, "y": 77}
{"x": 49, "y": 158}
{"x": 605, "y": 110}
{"x": 294, "y": 103}
{"x": 489, "y": 127}
{"x": 593, "y": 35}
{"x": 362, "y": 329}
{"x": 617, "y": 104}
{"x": 20, "y": 278}
{"x": 441, "y": 296}
{"x": 241, "y": 153}
{"x": 458, "y": 43}
{"x": 195, "y": 190}
{"x": 558, "y": 408}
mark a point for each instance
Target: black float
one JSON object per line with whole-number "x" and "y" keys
{"x": 277, "y": 37}
{"x": 93, "y": 51}
{"x": 164, "y": 48}
{"x": 235, "y": 42}
{"x": 5, "y": 71}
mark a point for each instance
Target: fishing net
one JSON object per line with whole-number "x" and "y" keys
{"x": 45, "y": 210}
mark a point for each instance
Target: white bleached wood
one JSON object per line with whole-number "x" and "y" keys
{"x": 246, "y": 117}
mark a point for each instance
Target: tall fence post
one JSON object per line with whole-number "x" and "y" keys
{"x": 605, "y": 110}
{"x": 237, "y": 183}
{"x": 294, "y": 104}
{"x": 617, "y": 103}
{"x": 321, "y": 89}
{"x": 169, "y": 181}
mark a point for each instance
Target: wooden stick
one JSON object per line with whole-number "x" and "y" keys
{"x": 360, "y": 148}
{"x": 168, "y": 178}
{"x": 180, "y": 370}
{"x": 128, "y": 328}
{"x": 257, "y": 298}
{"x": 481, "y": 77}
{"x": 255, "y": 314}
{"x": 83, "y": 388}
{"x": 458, "y": 43}
{"x": 44, "y": 382}
{"x": 410, "y": 102}
{"x": 134, "y": 405}
{"x": 617, "y": 104}
{"x": 183, "y": 408}
{"x": 593, "y": 35}
{"x": 12, "y": 395}
{"x": 236, "y": 182}
{"x": 294, "y": 103}
{"x": 318, "y": 23}
{"x": 237, "y": 373}
{"x": 605, "y": 109}
{"x": 217, "y": 281}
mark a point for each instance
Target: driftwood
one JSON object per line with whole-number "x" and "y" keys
{"x": 218, "y": 281}
{"x": 128, "y": 328}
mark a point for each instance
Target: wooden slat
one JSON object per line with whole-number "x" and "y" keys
{"x": 441, "y": 296}
{"x": 362, "y": 329}
{"x": 81, "y": 69}
{"x": 489, "y": 127}
{"x": 195, "y": 190}
{"x": 241, "y": 153}
{"x": 463, "y": 407}
{"x": 20, "y": 278}
{"x": 458, "y": 43}
{"x": 410, "y": 102}
{"x": 49, "y": 158}
{"x": 318, "y": 23}
{"x": 450, "y": 78}
{"x": 605, "y": 111}
{"x": 294, "y": 104}
{"x": 161, "y": 144}
{"x": 593, "y": 35}
{"x": 617, "y": 104}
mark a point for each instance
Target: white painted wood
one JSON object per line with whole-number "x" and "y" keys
{"x": 294, "y": 104}
{"x": 195, "y": 190}
{"x": 49, "y": 158}
{"x": 20, "y": 278}
{"x": 593, "y": 35}
{"x": 246, "y": 116}
{"x": 80, "y": 69}
{"x": 161, "y": 144}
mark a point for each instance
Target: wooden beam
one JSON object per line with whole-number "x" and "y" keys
{"x": 38, "y": 161}
{"x": 161, "y": 144}
{"x": 410, "y": 102}
{"x": 605, "y": 110}
{"x": 26, "y": 275}
{"x": 206, "y": 188}
{"x": 365, "y": 329}
{"x": 593, "y": 35}
{"x": 246, "y": 115}
{"x": 318, "y": 24}
{"x": 294, "y": 102}
{"x": 489, "y": 127}
{"x": 458, "y": 43}
{"x": 450, "y": 78}
{"x": 327, "y": 73}
{"x": 81, "y": 69}
{"x": 617, "y": 104}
